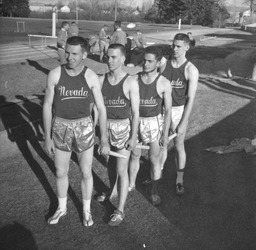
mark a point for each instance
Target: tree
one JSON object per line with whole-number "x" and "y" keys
{"x": 16, "y": 8}
{"x": 203, "y": 12}
{"x": 170, "y": 10}
{"x": 59, "y": 4}
{"x": 252, "y": 8}
{"x": 153, "y": 12}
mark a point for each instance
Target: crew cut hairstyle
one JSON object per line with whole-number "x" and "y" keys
{"x": 78, "y": 40}
{"x": 153, "y": 49}
{"x": 118, "y": 46}
{"x": 64, "y": 23}
{"x": 182, "y": 37}
{"x": 118, "y": 23}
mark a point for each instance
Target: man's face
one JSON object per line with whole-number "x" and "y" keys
{"x": 66, "y": 27}
{"x": 115, "y": 26}
{"x": 179, "y": 48}
{"x": 75, "y": 55}
{"x": 150, "y": 63}
{"x": 115, "y": 59}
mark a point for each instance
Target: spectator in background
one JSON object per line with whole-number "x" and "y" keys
{"x": 103, "y": 41}
{"x": 134, "y": 56}
{"x": 61, "y": 42}
{"x": 119, "y": 36}
{"x": 192, "y": 39}
{"x": 73, "y": 30}
{"x": 139, "y": 40}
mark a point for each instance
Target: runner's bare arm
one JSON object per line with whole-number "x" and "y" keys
{"x": 94, "y": 83}
{"x": 192, "y": 74}
{"x": 167, "y": 97}
{"x": 134, "y": 96}
{"x": 52, "y": 80}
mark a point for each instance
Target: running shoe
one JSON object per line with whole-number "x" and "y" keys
{"x": 147, "y": 182}
{"x": 87, "y": 218}
{"x": 155, "y": 199}
{"x": 106, "y": 196}
{"x": 131, "y": 188}
{"x": 180, "y": 189}
{"x": 116, "y": 218}
{"x": 56, "y": 217}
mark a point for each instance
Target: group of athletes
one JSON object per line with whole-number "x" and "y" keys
{"x": 129, "y": 109}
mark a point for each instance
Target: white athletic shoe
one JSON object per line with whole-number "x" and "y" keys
{"x": 56, "y": 217}
{"x": 87, "y": 218}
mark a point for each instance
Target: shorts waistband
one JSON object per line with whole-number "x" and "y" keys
{"x": 178, "y": 107}
{"x": 88, "y": 118}
{"x": 119, "y": 120}
{"x": 152, "y": 117}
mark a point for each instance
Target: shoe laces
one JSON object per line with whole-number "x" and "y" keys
{"x": 155, "y": 197}
{"x": 117, "y": 215}
{"x": 87, "y": 214}
{"x": 180, "y": 187}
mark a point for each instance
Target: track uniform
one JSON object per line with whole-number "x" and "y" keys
{"x": 151, "y": 120}
{"x": 72, "y": 128}
{"x": 179, "y": 90}
{"x": 118, "y": 112}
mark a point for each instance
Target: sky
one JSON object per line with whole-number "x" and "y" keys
{"x": 134, "y": 2}
{"x": 238, "y": 3}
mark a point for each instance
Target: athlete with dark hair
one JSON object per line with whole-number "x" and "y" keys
{"x": 183, "y": 76}
{"x": 155, "y": 91}
{"x": 121, "y": 96}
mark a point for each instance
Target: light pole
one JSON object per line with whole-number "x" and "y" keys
{"x": 115, "y": 9}
{"x": 179, "y": 25}
{"x": 54, "y": 11}
{"x": 76, "y": 14}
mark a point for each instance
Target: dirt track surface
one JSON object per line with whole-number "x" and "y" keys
{"x": 218, "y": 208}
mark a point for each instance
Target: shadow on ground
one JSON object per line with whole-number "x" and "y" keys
{"x": 218, "y": 208}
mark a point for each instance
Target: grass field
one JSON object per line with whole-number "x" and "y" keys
{"x": 8, "y": 31}
{"x": 217, "y": 211}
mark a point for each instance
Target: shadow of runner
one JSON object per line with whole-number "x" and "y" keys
{"x": 37, "y": 66}
{"x": 33, "y": 110}
{"x": 18, "y": 122}
{"x": 217, "y": 209}
{"x": 16, "y": 236}
{"x": 21, "y": 132}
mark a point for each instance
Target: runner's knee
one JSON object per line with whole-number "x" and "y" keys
{"x": 86, "y": 175}
{"x": 135, "y": 154}
{"x": 61, "y": 172}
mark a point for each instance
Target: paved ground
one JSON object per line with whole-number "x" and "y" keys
{"x": 14, "y": 53}
{"x": 217, "y": 211}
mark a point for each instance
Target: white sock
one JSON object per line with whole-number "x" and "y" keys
{"x": 62, "y": 203}
{"x": 86, "y": 205}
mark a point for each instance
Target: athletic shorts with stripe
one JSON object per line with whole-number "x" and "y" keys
{"x": 118, "y": 132}
{"x": 177, "y": 113}
{"x": 73, "y": 135}
{"x": 150, "y": 128}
